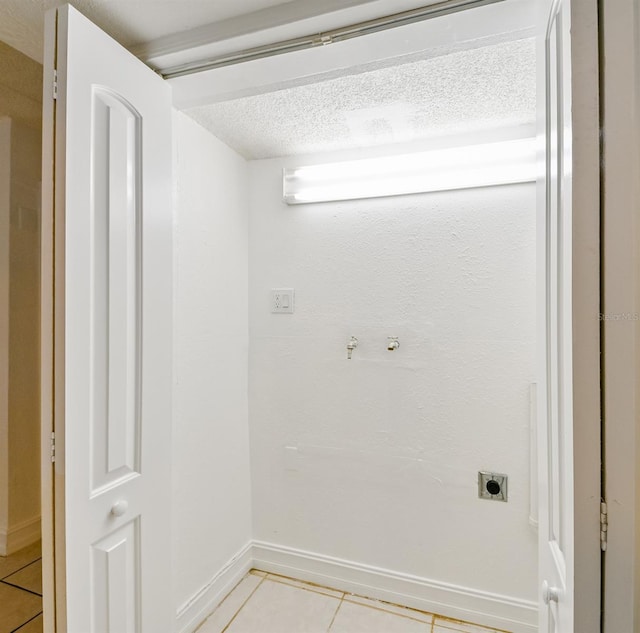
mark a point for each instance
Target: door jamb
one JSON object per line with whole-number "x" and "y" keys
{"x": 620, "y": 59}
{"x": 586, "y": 307}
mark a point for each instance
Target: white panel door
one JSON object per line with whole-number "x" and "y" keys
{"x": 112, "y": 321}
{"x": 555, "y": 410}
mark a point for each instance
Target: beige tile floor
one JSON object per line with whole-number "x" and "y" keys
{"x": 21, "y": 591}
{"x": 266, "y": 603}
{"x": 261, "y": 603}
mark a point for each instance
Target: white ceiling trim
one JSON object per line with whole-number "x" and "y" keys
{"x": 274, "y": 24}
{"x": 159, "y": 52}
{"x": 324, "y": 38}
{"x": 464, "y": 30}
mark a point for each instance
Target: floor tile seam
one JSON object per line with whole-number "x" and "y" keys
{"x": 9, "y": 584}
{"x": 235, "y": 615}
{"x": 27, "y": 622}
{"x": 312, "y": 585}
{"x": 449, "y": 623}
{"x": 15, "y": 571}
{"x": 228, "y": 595}
{"x": 431, "y": 614}
{"x": 448, "y": 628}
{"x": 400, "y": 615}
{"x": 309, "y": 588}
{"x": 346, "y": 597}
{"x": 333, "y": 619}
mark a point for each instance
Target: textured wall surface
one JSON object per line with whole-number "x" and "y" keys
{"x": 20, "y": 88}
{"x": 19, "y": 335}
{"x": 211, "y": 501}
{"x": 24, "y": 326}
{"x": 375, "y": 460}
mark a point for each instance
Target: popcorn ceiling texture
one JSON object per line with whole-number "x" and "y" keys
{"x": 469, "y": 91}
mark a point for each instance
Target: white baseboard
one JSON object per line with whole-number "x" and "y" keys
{"x": 195, "y": 610}
{"x": 20, "y": 535}
{"x": 463, "y": 603}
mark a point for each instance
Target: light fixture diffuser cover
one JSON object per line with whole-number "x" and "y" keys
{"x": 485, "y": 165}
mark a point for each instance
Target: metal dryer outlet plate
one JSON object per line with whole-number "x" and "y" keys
{"x": 492, "y": 486}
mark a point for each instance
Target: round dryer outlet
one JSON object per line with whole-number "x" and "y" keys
{"x": 492, "y": 486}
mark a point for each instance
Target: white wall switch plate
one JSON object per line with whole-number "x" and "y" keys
{"x": 282, "y": 300}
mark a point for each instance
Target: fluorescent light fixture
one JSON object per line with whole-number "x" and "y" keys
{"x": 486, "y": 165}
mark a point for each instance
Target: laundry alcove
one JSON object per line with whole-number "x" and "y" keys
{"x": 341, "y": 389}
{"x": 359, "y": 473}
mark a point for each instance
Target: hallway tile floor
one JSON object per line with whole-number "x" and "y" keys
{"x": 267, "y": 603}
{"x": 21, "y": 591}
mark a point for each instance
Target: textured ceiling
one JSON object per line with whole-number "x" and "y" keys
{"x": 128, "y": 21}
{"x": 20, "y": 87}
{"x": 474, "y": 90}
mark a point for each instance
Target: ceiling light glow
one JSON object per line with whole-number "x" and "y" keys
{"x": 490, "y": 164}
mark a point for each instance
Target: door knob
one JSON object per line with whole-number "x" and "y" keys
{"x": 550, "y": 594}
{"x": 119, "y": 508}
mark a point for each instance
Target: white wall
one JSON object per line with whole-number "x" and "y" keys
{"x": 383, "y": 451}
{"x": 211, "y": 500}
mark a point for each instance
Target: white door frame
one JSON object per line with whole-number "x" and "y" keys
{"x": 620, "y": 54}
{"x": 586, "y": 307}
{"x": 586, "y": 354}
{"x": 585, "y": 302}
{"x": 48, "y": 372}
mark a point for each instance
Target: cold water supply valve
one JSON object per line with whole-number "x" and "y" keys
{"x": 393, "y": 344}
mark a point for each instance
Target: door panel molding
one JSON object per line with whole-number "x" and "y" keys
{"x": 110, "y": 309}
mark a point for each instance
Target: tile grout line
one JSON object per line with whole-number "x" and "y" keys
{"x": 33, "y": 593}
{"x": 400, "y": 615}
{"x": 349, "y": 597}
{"x": 448, "y": 624}
{"x": 22, "y": 568}
{"x": 235, "y": 615}
{"x": 333, "y": 619}
{"x": 309, "y": 588}
{"x": 27, "y": 622}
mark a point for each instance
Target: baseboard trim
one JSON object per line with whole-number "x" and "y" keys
{"x": 19, "y": 536}
{"x": 464, "y": 603}
{"x": 195, "y": 610}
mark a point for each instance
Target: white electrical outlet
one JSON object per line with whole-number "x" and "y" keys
{"x": 282, "y": 300}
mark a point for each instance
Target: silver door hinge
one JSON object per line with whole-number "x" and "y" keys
{"x": 604, "y": 525}
{"x": 55, "y": 84}
{"x": 53, "y": 447}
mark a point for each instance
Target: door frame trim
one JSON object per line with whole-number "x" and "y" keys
{"x": 586, "y": 330}
{"x": 47, "y": 335}
{"x": 586, "y": 306}
{"x": 620, "y": 56}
